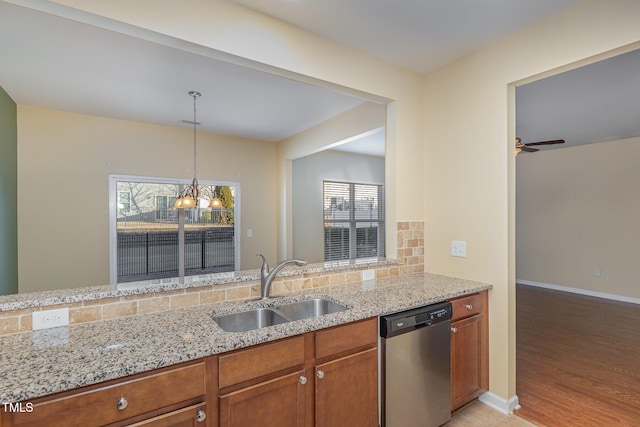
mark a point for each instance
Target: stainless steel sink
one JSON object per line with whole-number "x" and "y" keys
{"x": 262, "y": 317}
{"x": 310, "y": 308}
{"x": 249, "y": 320}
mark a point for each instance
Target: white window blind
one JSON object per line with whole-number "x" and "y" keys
{"x": 353, "y": 221}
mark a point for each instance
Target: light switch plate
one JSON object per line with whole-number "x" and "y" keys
{"x": 459, "y": 248}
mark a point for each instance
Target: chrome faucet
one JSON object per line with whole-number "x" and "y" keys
{"x": 266, "y": 276}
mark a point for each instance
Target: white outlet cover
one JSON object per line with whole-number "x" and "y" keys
{"x": 49, "y": 318}
{"x": 459, "y": 248}
{"x": 368, "y": 275}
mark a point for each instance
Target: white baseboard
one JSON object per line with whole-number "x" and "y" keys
{"x": 500, "y": 404}
{"x": 596, "y": 294}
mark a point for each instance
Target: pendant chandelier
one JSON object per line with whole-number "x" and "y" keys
{"x": 188, "y": 198}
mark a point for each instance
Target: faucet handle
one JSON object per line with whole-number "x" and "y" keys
{"x": 264, "y": 269}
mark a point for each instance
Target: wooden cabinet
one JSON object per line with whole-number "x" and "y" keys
{"x": 265, "y": 385}
{"x": 166, "y": 397}
{"x": 346, "y": 375}
{"x": 469, "y": 349}
{"x": 327, "y": 378}
{"x": 277, "y": 402}
{"x": 346, "y": 391}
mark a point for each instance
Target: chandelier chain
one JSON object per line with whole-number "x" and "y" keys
{"x": 195, "y": 145}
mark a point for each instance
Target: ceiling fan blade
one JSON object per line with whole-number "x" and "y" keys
{"x": 555, "y": 141}
{"x": 529, "y": 149}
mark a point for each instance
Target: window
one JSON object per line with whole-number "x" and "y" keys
{"x": 353, "y": 221}
{"x": 152, "y": 240}
{"x": 124, "y": 201}
{"x": 164, "y": 208}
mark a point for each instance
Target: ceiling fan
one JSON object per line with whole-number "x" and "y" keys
{"x": 527, "y": 147}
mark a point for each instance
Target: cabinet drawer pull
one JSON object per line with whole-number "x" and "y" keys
{"x": 320, "y": 374}
{"x": 201, "y": 416}
{"x": 469, "y": 307}
{"x": 454, "y": 330}
{"x": 122, "y": 404}
{"x": 303, "y": 379}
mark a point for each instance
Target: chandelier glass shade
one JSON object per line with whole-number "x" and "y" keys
{"x": 215, "y": 203}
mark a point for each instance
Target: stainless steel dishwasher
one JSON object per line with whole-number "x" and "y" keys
{"x": 415, "y": 364}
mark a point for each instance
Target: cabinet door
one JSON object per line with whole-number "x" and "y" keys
{"x": 279, "y": 402}
{"x": 466, "y": 361}
{"x": 347, "y": 391}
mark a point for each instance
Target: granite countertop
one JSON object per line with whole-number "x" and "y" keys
{"x": 38, "y": 363}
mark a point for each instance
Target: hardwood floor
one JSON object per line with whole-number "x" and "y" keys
{"x": 578, "y": 359}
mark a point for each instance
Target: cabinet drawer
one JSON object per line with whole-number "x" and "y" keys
{"x": 193, "y": 415}
{"x": 466, "y": 306}
{"x": 100, "y": 406}
{"x": 244, "y": 365}
{"x": 344, "y": 338}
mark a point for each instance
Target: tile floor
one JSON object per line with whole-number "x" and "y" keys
{"x": 478, "y": 414}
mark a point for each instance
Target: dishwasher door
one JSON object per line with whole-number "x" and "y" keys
{"x": 416, "y": 377}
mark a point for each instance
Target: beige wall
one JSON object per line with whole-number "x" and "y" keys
{"x": 359, "y": 120}
{"x": 468, "y": 153}
{"x": 308, "y": 174}
{"x": 64, "y": 161}
{"x": 577, "y": 210}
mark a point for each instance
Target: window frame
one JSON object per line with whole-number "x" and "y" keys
{"x": 113, "y": 204}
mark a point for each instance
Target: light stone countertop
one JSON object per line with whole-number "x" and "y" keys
{"x": 34, "y": 364}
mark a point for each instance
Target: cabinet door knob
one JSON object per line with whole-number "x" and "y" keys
{"x": 122, "y": 404}
{"x": 201, "y": 416}
{"x": 320, "y": 374}
{"x": 303, "y": 379}
{"x": 469, "y": 307}
{"x": 454, "y": 330}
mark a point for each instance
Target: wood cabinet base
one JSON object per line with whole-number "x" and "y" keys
{"x": 469, "y": 349}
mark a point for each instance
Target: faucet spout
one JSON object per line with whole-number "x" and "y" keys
{"x": 267, "y": 276}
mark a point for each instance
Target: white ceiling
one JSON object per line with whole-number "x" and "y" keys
{"x": 62, "y": 64}
{"x": 594, "y": 103}
{"x": 418, "y": 34}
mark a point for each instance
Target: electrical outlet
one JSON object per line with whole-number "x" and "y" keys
{"x": 50, "y": 318}
{"x": 368, "y": 275}
{"x": 459, "y": 248}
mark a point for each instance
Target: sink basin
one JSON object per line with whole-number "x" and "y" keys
{"x": 256, "y": 318}
{"x": 249, "y": 320}
{"x": 310, "y": 308}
